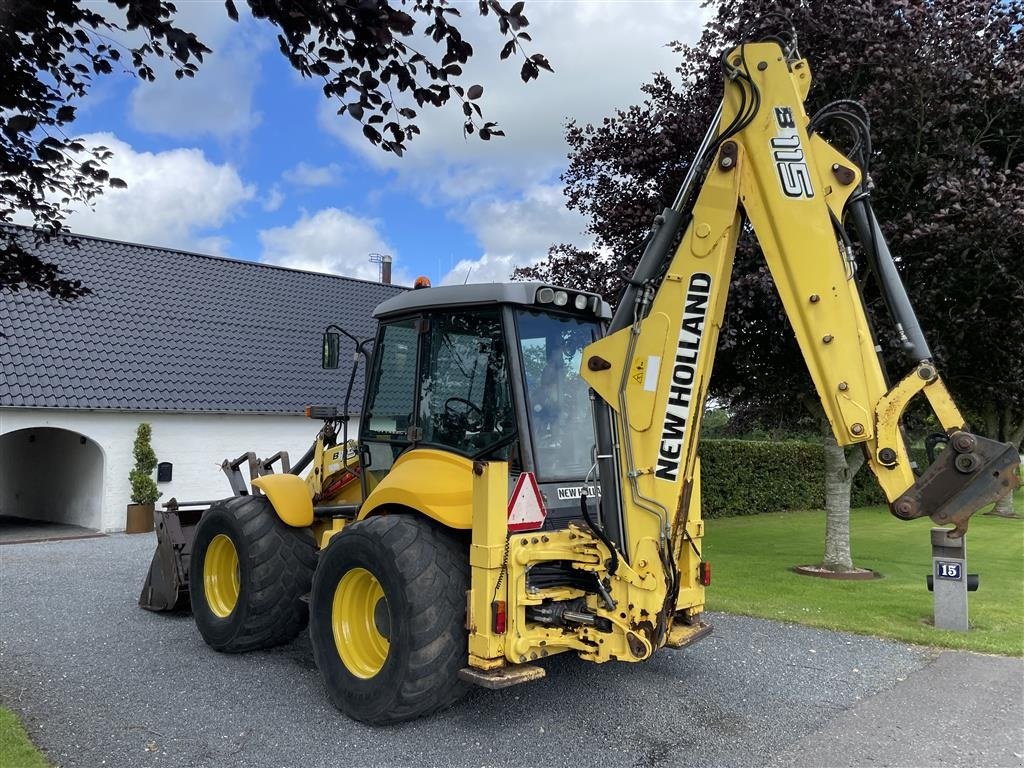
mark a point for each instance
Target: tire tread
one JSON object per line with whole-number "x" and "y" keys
{"x": 281, "y": 564}
{"x": 435, "y": 568}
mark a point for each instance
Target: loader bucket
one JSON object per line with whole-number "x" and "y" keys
{"x": 166, "y": 586}
{"x": 162, "y": 590}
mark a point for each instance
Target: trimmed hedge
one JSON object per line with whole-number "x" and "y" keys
{"x": 748, "y": 477}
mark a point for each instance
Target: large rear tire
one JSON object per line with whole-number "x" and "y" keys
{"x": 387, "y": 618}
{"x": 248, "y": 574}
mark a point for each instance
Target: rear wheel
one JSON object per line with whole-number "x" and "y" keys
{"x": 248, "y": 574}
{"x": 387, "y": 618}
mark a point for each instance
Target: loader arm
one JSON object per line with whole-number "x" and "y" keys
{"x": 651, "y": 373}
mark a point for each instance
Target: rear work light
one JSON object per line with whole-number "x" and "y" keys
{"x": 704, "y": 574}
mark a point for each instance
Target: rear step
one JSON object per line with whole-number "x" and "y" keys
{"x": 684, "y": 634}
{"x": 502, "y": 677}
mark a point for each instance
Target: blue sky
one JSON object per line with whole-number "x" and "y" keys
{"x": 249, "y": 161}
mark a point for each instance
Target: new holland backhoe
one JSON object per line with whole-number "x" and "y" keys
{"x": 526, "y": 481}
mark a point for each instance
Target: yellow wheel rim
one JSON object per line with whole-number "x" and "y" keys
{"x": 361, "y": 622}
{"x": 220, "y": 576}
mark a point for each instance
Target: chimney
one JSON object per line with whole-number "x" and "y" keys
{"x": 385, "y": 270}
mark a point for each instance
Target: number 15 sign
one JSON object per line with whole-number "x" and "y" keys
{"x": 945, "y": 569}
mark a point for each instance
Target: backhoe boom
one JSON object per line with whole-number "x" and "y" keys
{"x": 762, "y": 163}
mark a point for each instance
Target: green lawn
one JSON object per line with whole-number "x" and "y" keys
{"x": 16, "y": 751}
{"x": 752, "y": 557}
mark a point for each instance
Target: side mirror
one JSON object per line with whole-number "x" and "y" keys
{"x": 331, "y": 350}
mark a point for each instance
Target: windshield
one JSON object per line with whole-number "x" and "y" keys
{"x": 556, "y": 396}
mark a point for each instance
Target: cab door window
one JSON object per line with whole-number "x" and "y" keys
{"x": 465, "y": 402}
{"x": 557, "y": 397}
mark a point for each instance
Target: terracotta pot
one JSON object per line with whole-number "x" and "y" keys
{"x": 140, "y": 518}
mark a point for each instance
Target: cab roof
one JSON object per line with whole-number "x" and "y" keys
{"x": 480, "y": 294}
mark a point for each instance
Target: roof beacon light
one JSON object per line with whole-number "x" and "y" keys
{"x": 580, "y": 301}
{"x": 545, "y": 295}
{"x": 422, "y": 282}
{"x": 561, "y": 298}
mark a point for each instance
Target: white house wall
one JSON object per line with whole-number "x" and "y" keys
{"x": 195, "y": 444}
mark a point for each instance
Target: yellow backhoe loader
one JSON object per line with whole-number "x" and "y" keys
{"x": 526, "y": 479}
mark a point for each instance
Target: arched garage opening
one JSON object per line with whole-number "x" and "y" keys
{"x": 50, "y": 475}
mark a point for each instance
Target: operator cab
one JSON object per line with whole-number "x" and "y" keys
{"x": 487, "y": 371}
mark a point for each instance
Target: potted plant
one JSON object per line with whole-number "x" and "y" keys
{"x": 144, "y": 492}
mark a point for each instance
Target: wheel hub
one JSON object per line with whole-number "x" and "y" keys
{"x": 221, "y": 578}
{"x": 382, "y": 618}
{"x": 361, "y": 622}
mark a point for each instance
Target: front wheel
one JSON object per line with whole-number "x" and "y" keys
{"x": 387, "y": 618}
{"x": 248, "y": 575}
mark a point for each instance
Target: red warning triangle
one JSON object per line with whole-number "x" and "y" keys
{"x": 526, "y": 510}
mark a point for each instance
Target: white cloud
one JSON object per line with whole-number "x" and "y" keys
{"x": 330, "y": 241}
{"x": 306, "y": 175}
{"x": 516, "y": 232}
{"x": 273, "y": 199}
{"x": 528, "y": 224}
{"x": 489, "y": 268}
{"x": 601, "y": 53}
{"x": 172, "y": 197}
{"x": 218, "y": 101}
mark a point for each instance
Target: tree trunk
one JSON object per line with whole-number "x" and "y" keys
{"x": 1004, "y": 507}
{"x": 840, "y": 468}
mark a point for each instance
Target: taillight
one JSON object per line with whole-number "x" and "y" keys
{"x": 704, "y": 574}
{"x": 498, "y": 612}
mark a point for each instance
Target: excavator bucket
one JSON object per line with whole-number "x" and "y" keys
{"x": 166, "y": 587}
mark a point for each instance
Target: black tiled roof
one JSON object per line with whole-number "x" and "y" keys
{"x": 168, "y": 330}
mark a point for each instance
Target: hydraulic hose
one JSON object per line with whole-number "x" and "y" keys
{"x": 614, "y": 566}
{"x": 304, "y": 461}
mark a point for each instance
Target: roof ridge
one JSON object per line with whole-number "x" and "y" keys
{"x": 195, "y": 254}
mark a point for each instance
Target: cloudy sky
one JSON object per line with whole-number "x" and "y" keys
{"x": 249, "y": 161}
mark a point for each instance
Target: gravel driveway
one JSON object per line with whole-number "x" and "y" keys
{"x": 99, "y": 681}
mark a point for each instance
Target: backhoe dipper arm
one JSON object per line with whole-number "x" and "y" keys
{"x": 651, "y": 372}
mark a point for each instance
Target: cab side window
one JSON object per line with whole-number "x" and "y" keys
{"x": 392, "y": 398}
